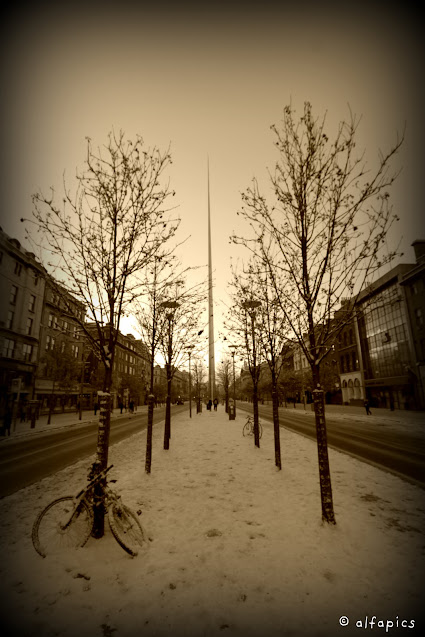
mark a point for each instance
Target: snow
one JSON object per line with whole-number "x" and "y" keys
{"x": 235, "y": 546}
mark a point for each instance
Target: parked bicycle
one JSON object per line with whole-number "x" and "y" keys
{"x": 68, "y": 521}
{"x": 248, "y": 428}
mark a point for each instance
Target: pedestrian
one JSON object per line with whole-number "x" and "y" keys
{"x": 209, "y": 404}
{"x": 96, "y": 407}
{"x": 366, "y": 404}
{"x": 215, "y": 404}
{"x": 121, "y": 406}
{"x": 7, "y": 423}
{"x": 131, "y": 406}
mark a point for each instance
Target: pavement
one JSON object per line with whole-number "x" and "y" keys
{"x": 357, "y": 413}
{"x": 341, "y": 412}
{"x": 60, "y": 420}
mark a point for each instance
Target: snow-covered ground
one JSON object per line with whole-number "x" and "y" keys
{"x": 236, "y": 546}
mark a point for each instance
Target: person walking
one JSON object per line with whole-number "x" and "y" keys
{"x": 366, "y": 404}
{"x": 7, "y": 420}
{"x": 215, "y": 404}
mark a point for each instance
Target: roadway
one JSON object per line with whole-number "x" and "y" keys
{"x": 28, "y": 459}
{"x": 397, "y": 449}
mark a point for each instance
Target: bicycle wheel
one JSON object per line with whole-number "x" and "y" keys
{"x": 247, "y": 429}
{"x": 126, "y": 528}
{"x": 62, "y": 525}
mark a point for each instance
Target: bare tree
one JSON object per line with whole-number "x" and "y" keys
{"x": 199, "y": 376}
{"x": 99, "y": 238}
{"x": 178, "y": 325}
{"x": 321, "y": 239}
{"x": 241, "y": 323}
{"x": 223, "y": 376}
{"x": 159, "y": 276}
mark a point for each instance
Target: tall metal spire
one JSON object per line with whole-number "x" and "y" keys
{"x": 211, "y": 361}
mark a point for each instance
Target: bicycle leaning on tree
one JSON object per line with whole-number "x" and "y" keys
{"x": 248, "y": 428}
{"x": 68, "y": 521}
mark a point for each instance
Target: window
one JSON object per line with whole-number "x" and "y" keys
{"x": 13, "y": 294}
{"x": 9, "y": 348}
{"x": 50, "y": 323}
{"x": 18, "y": 268}
{"x": 77, "y": 349}
{"x": 35, "y": 279}
{"x": 62, "y": 347}
{"x": 29, "y": 326}
{"x": 31, "y": 304}
{"x": 27, "y": 351}
{"x": 65, "y": 326}
{"x": 9, "y": 323}
{"x": 50, "y": 342}
{"x": 419, "y": 317}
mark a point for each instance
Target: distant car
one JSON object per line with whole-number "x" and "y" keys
{"x": 179, "y": 401}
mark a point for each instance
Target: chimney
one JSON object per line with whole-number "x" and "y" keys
{"x": 419, "y": 248}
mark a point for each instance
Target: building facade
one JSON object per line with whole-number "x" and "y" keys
{"x": 22, "y": 287}
{"x": 60, "y": 364}
{"x": 381, "y": 352}
{"x": 130, "y": 371}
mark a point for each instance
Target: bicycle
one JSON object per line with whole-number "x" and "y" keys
{"x": 68, "y": 521}
{"x": 248, "y": 428}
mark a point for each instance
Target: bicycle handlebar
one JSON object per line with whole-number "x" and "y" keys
{"x": 101, "y": 475}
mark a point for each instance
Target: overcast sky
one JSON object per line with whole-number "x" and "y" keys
{"x": 210, "y": 82}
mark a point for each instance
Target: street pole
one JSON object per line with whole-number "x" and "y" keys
{"x": 234, "y": 378}
{"x": 172, "y": 306}
{"x": 251, "y": 306}
{"x": 190, "y": 389}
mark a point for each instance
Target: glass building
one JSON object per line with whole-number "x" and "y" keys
{"x": 385, "y": 343}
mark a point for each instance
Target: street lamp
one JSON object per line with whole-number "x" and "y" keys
{"x": 189, "y": 349}
{"x": 250, "y": 306}
{"x": 233, "y": 348}
{"x": 172, "y": 307}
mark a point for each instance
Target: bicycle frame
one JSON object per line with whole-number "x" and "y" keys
{"x": 81, "y": 494}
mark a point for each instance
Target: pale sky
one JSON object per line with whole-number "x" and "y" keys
{"x": 210, "y": 82}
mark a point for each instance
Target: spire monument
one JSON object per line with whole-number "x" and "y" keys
{"x": 211, "y": 358}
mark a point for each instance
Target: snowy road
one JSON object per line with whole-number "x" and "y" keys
{"x": 28, "y": 459}
{"x": 398, "y": 449}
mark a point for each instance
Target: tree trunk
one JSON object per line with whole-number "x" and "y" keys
{"x": 255, "y": 405}
{"x": 322, "y": 449}
{"x": 148, "y": 462}
{"x": 167, "y": 429}
{"x": 151, "y": 399}
{"x": 275, "y": 399}
{"x": 101, "y": 463}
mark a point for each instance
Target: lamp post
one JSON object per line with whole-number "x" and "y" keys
{"x": 189, "y": 349}
{"x": 233, "y": 348}
{"x": 172, "y": 307}
{"x": 250, "y": 306}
